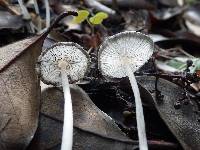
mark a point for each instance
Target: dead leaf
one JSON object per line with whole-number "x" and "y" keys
{"x": 182, "y": 122}
{"x": 12, "y": 9}
{"x": 136, "y": 20}
{"x": 19, "y": 92}
{"x": 10, "y": 22}
{"x": 170, "y": 3}
{"x": 134, "y": 4}
{"x": 92, "y": 127}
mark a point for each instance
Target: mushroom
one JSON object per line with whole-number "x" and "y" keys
{"x": 58, "y": 65}
{"x": 120, "y": 56}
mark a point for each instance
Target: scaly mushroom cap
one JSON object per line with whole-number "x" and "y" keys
{"x": 127, "y": 47}
{"x": 73, "y": 54}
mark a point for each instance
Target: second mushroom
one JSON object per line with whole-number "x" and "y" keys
{"x": 120, "y": 56}
{"x": 61, "y": 64}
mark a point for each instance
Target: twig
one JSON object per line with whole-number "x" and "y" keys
{"x": 26, "y": 15}
{"x": 99, "y": 6}
{"x": 39, "y": 26}
{"x": 5, "y": 4}
{"x": 186, "y": 53}
{"x": 47, "y": 13}
{"x": 36, "y": 7}
{"x": 25, "y": 12}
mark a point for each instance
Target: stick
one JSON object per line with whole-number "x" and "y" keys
{"x": 99, "y": 6}
{"x": 47, "y": 13}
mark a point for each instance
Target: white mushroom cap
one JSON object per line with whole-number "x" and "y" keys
{"x": 129, "y": 47}
{"x": 74, "y": 55}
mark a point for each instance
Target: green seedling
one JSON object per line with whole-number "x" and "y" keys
{"x": 98, "y": 18}
{"x": 83, "y": 15}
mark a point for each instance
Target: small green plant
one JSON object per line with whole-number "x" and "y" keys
{"x": 82, "y": 16}
{"x": 97, "y": 19}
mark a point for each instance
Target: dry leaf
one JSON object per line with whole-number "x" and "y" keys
{"x": 92, "y": 127}
{"x": 182, "y": 122}
{"x": 19, "y": 103}
{"x": 19, "y": 92}
{"x": 10, "y": 22}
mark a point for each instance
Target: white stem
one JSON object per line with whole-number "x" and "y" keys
{"x": 25, "y": 12}
{"x": 67, "y": 137}
{"x": 139, "y": 110}
{"x": 26, "y": 15}
{"x": 32, "y": 27}
{"x": 39, "y": 20}
{"x": 47, "y": 13}
{"x": 36, "y": 7}
{"x": 97, "y": 5}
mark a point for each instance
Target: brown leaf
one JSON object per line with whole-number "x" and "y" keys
{"x": 19, "y": 92}
{"x": 19, "y": 103}
{"x": 9, "y": 52}
{"x": 182, "y": 122}
{"x": 92, "y": 127}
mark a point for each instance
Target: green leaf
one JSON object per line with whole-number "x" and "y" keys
{"x": 95, "y": 20}
{"x": 176, "y": 64}
{"x": 98, "y": 18}
{"x": 82, "y": 16}
{"x": 102, "y": 15}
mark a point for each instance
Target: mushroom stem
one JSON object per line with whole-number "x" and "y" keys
{"x": 67, "y": 136}
{"x": 139, "y": 110}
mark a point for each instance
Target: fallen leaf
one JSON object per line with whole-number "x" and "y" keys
{"x": 170, "y": 3}
{"x": 134, "y": 4}
{"x": 182, "y": 122}
{"x": 19, "y": 92}
{"x": 92, "y": 127}
{"x": 10, "y": 22}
